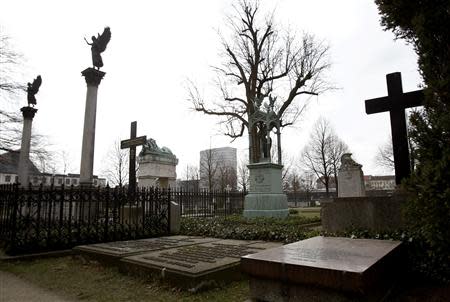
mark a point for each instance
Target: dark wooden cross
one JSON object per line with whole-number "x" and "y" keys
{"x": 132, "y": 143}
{"x": 396, "y": 102}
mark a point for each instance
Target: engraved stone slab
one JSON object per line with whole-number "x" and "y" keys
{"x": 342, "y": 264}
{"x": 115, "y": 250}
{"x": 197, "y": 262}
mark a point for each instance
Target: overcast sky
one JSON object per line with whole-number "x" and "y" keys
{"x": 157, "y": 46}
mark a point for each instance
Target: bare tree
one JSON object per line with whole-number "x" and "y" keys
{"x": 323, "y": 152}
{"x": 209, "y": 165}
{"x": 227, "y": 177}
{"x": 115, "y": 165}
{"x": 385, "y": 154}
{"x": 243, "y": 174}
{"x": 11, "y": 89}
{"x": 260, "y": 58}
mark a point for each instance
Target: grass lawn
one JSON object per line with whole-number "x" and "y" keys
{"x": 312, "y": 212}
{"x": 72, "y": 277}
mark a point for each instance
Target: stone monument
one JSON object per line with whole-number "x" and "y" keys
{"x": 265, "y": 197}
{"x": 350, "y": 178}
{"x": 93, "y": 77}
{"x": 157, "y": 166}
{"x": 28, "y": 113}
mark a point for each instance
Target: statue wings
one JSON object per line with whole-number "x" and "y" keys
{"x": 103, "y": 39}
{"x": 36, "y": 84}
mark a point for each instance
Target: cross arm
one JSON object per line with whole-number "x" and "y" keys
{"x": 406, "y": 100}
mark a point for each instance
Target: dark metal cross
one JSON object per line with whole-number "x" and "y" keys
{"x": 131, "y": 144}
{"x": 396, "y": 102}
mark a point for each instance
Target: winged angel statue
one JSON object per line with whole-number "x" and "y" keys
{"x": 32, "y": 89}
{"x": 98, "y": 46}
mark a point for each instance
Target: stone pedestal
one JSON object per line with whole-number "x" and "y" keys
{"x": 93, "y": 78}
{"x": 265, "y": 197}
{"x": 28, "y": 115}
{"x": 157, "y": 166}
{"x": 350, "y": 178}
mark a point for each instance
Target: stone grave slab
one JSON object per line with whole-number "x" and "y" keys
{"x": 189, "y": 265}
{"x": 323, "y": 268}
{"x": 113, "y": 251}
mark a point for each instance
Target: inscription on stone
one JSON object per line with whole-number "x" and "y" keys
{"x": 198, "y": 260}
{"x": 321, "y": 254}
{"x": 132, "y": 247}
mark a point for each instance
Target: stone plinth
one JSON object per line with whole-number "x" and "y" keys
{"x": 265, "y": 197}
{"x": 350, "y": 178}
{"x": 369, "y": 213}
{"x": 324, "y": 269}
{"x": 93, "y": 78}
{"x": 188, "y": 266}
{"x": 24, "y": 157}
{"x": 157, "y": 166}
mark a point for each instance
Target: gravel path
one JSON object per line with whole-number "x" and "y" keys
{"x": 12, "y": 288}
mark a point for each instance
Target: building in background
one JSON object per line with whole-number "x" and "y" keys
{"x": 218, "y": 168}
{"x": 9, "y": 162}
{"x": 382, "y": 182}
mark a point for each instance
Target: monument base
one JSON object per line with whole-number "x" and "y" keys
{"x": 266, "y": 197}
{"x": 266, "y": 205}
{"x": 375, "y": 213}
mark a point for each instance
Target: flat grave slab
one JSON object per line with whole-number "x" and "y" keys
{"x": 344, "y": 265}
{"x": 113, "y": 251}
{"x": 188, "y": 265}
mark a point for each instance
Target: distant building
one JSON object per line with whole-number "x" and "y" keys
{"x": 218, "y": 168}
{"x": 9, "y": 163}
{"x": 383, "y": 182}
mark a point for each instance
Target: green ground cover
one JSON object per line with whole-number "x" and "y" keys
{"x": 296, "y": 227}
{"x": 74, "y": 278}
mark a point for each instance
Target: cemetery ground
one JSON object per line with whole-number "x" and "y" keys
{"x": 77, "y": 278}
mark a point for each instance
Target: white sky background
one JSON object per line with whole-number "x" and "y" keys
{"x": 157, "y": 45}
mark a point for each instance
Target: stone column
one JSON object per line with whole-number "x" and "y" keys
{"x": 28, "y": 115}
{"x": 93, "y": 78}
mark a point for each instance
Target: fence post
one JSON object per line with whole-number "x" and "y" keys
{"x": 107, "y": 192}
{"x": 168, "y": 211}
{"x": 16, "y": 201}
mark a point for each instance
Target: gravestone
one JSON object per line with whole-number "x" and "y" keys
{"x": 350, "y": 178}
{"x": 111, "y": 252}
{"x": 324, "y": 269}
{"x": 157, "y": 166}
{"x": 189, "y": 265}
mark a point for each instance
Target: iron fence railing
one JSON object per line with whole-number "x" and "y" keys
{"x": 204, "y": 203}
{"x": 51, "y": 218}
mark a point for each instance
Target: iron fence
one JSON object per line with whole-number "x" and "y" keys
{"x": 204, "y": 203}
{"x": 41, "y": 218}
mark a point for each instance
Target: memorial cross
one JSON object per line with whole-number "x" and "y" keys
{"x": 396, "y": 102}
{"x": 131, "y": 144}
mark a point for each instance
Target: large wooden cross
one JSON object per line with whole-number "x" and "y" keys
{"x": 132, "y": 143}
{"x": 396, "y": 102}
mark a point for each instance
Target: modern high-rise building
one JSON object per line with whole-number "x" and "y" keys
{"x": 218, "y": 168}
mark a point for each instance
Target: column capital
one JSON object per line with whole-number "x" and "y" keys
{"x": 28, "y": 112}
{"x": 93, "y": 76}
